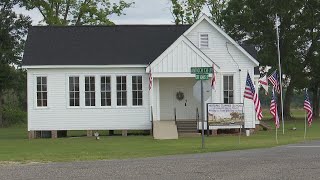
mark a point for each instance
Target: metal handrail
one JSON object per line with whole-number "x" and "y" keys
{"x": 175, "y": 115}
{"x": 197, "y": 117}
{"x": 151, "y": 120}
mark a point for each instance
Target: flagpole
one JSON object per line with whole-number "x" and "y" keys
{"x": 277, "y": 134}
{"x": 280, "y": 73}
{"x": 305, "y": 125}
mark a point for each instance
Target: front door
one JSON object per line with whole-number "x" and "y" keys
{"x": 183, "y": 103}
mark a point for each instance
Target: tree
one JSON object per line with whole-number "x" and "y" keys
{"x": 12, "y": 32}
{"x": 253, "y": 21}
{"x": 77, "y": 12}
{"x": 216, "y": 7}
{"x": 186, "y": 11}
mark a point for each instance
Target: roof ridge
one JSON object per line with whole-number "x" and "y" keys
{"x": 112, "y": 26}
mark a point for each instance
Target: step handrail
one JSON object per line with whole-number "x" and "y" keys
{"x": 175, "y": 115}
{"x": 197, "y": 117}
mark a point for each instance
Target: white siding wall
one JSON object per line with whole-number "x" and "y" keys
{"x": 59, "y": 116}
{"x": 230, "y": 59}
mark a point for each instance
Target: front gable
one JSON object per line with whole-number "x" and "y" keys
{"x": 178, "y": 59}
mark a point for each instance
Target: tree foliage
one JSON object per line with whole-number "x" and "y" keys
{"x": 186, "y": 11}
{"x": 77, "y": 12}
{"x": 13, "y": 30}
{"x": 254, "y": 21}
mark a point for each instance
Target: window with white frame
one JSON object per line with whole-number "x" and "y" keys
{"x": 105, "y": 90}
{"x": 228, "y": 91}
{"x": 137, "y": 90}
{"x": 74, "y": 91}
{"x": 42, "y": 92}
{"x": 90, "y": 99}
{"x": 121, "y": 90}
{"x": 204, "y": 40}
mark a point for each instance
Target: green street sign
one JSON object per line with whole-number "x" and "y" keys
{"x": 201, "y": 70}
{"x": 202, "y": 76}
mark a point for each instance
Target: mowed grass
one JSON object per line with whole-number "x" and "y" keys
{"x": 14, "y": 145}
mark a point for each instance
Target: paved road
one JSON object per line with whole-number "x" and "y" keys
{"x": 300, "y": 161}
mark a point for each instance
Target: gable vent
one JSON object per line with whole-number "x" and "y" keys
{"x": 204, "y": 41}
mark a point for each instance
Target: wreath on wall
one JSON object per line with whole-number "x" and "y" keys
{"x": 180, "y": 95}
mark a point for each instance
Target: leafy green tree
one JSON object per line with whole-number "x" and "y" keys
{"x": 186, "y": 11}
{"x": 254, "y": 21}
{"x": 77, "y": 12}
{"x": 216, "y": 7}
{"x": 13, "y": 29}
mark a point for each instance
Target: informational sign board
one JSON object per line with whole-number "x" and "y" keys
{"x": 225, "y": 114}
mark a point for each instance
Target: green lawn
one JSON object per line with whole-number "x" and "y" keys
{"x": 14, "y": 146}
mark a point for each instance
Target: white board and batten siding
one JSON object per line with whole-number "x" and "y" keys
{"x": 58, "y": 115}
{"x": 227, "y": 55}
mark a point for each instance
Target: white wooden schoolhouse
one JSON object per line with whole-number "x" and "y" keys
{"x": 97, "y": 77}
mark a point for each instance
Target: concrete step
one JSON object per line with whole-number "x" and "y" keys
{"x": 165, "y": 130}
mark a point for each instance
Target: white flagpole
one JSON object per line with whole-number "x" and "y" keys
{"x": 277, "y": 134}
{"x": 280, "y": 74}
{"x": 305, "y": 125}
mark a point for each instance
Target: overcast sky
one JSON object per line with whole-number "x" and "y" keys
{"x": 142, "y": 12}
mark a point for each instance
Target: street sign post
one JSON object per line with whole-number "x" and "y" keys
{"x": 202, "y": 73}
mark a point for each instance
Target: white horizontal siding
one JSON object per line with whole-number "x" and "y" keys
{"x": 230, "y": 59}
{"x": 59, "y": 116}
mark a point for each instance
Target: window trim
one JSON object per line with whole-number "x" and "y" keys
{"x": 35, "y": 91}
{"x": 204, "y": 33}
{"x": 68, "y": 91}
{"x": 84, "y": 91}
{"x": 222, "y": 87}
{"x": 142, "y": 91}
{"x": 127, "y": 92}
{"x": 99, "y": 91}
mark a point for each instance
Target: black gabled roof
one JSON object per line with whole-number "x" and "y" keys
{"x": 99, "y": 45}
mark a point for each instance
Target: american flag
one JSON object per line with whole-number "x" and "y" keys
{"x": 307, "y": 107}
{"x": 274, "y": 110}
{"x": 274, "y": 79}
{"x": 150, "y": 78}
{"x": 213, "y": 79}
{"x": 250, "y": 93}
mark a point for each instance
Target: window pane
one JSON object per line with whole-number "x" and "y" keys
{"x": 38, "y": 95}
{"x": 39, "y": 103}
{"x": 134, "y": 95}
{"x": 225, "y": 82}
{"x": 44, "y": 102}
{"x": 118, "y": 101}
{"x": 108, "y": 102}
{"x": 44, "y": 95}
{"x": 87, "y": 102}
{"x": 118, "y": 79}
{"x": 124, "y": 102}
{"x": 140, "y": 102}
{"x": 76, "y": 80}
{"x": 44, "y": 87}
{"x": 77, "y": 95}
{"x": 71, "y": 80}
{"x": 124, "y": 87}
{"x": 134, "y": 79}
{"x": 108, "y": 95}
{"x": 76, "y": 87}
{"x": 140, "y": 86}
{"x": 140, "y": 79}
{"x": 38, "y": 87}
{"x": 71, "y": 103}
{"x": 140, "y": 94}
{"x": 44, "y": 80}
{"x": 103, "y": 79}
{"x": 38, "y": 80}
{"x": 108, "y": 87}
{"x": 134, "y": 86}
{"x": 225, "y": 101}
{"x": 103, "y": 95}
{"x": 77, "y": 102}
{"x": 134, "y": 102}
